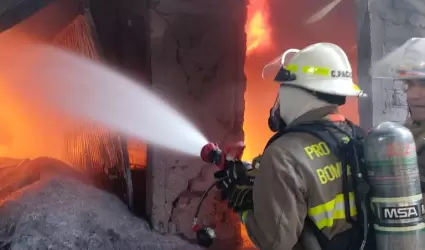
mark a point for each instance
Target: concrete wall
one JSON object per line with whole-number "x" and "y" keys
{"x": 382, "y": 26}
{"x": 197, "y": 61}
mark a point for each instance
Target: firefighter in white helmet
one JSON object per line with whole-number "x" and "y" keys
{"x": 407, "y": 64}
{"x": 302, "y": 196}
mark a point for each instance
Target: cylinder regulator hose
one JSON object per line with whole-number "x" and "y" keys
{"x": 205, "y": 195}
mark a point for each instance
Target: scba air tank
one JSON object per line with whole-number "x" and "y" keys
{"x": 396, "y": 198}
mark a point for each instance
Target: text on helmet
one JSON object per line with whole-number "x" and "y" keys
{"x": 341, "y": 74}
{"x": 320, "y": 71}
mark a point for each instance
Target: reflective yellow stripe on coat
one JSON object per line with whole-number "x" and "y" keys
{"x": 325, "y": 214}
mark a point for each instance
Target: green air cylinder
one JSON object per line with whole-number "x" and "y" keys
{"x": 396, "y": 197}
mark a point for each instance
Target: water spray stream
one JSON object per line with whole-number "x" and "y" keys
{"x": 60, "y": 82}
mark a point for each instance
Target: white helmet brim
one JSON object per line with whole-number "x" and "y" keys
{"x": 339, "y": 87}
{"x": 406, "y": 62}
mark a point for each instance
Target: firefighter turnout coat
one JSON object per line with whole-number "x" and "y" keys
{"x": 298, "y": 177}
{"x": 418, "y": 131}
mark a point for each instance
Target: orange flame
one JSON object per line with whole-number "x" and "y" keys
{"x": 257, "y": 28}
{"x": 258, "y": 38}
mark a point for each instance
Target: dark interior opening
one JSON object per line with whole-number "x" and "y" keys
{"x": 122, "y": 35}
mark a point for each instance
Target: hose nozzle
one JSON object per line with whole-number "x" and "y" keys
{"x": 211, "y": 153}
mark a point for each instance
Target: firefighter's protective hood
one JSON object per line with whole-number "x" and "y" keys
{"x": 271, "y": 69}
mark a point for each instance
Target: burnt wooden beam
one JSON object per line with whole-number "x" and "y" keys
{"x": 44, "y": 23}
{"x": 13, "y": 12}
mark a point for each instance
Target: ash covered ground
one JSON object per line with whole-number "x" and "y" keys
{"x": 47, "y": 205}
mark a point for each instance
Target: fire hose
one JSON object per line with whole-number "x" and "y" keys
{"x": 211, "y": 153}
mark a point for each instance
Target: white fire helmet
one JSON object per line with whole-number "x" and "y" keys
{"x": 321, "y": 67}
{"x": 406, "y": 62}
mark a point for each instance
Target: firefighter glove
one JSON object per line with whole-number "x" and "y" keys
{"x": 234, "y": 172}
{"x": 235, "y": 182}
{"x": 240, "y": 198}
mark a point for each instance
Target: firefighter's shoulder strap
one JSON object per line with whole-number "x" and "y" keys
{"x": 347, "y": 147}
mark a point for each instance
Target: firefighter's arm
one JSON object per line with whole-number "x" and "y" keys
{"x": 280, "y": 205}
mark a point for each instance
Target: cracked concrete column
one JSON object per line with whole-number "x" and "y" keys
{"x": 384, "y": 25}
{"x": 197, "y": 61}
